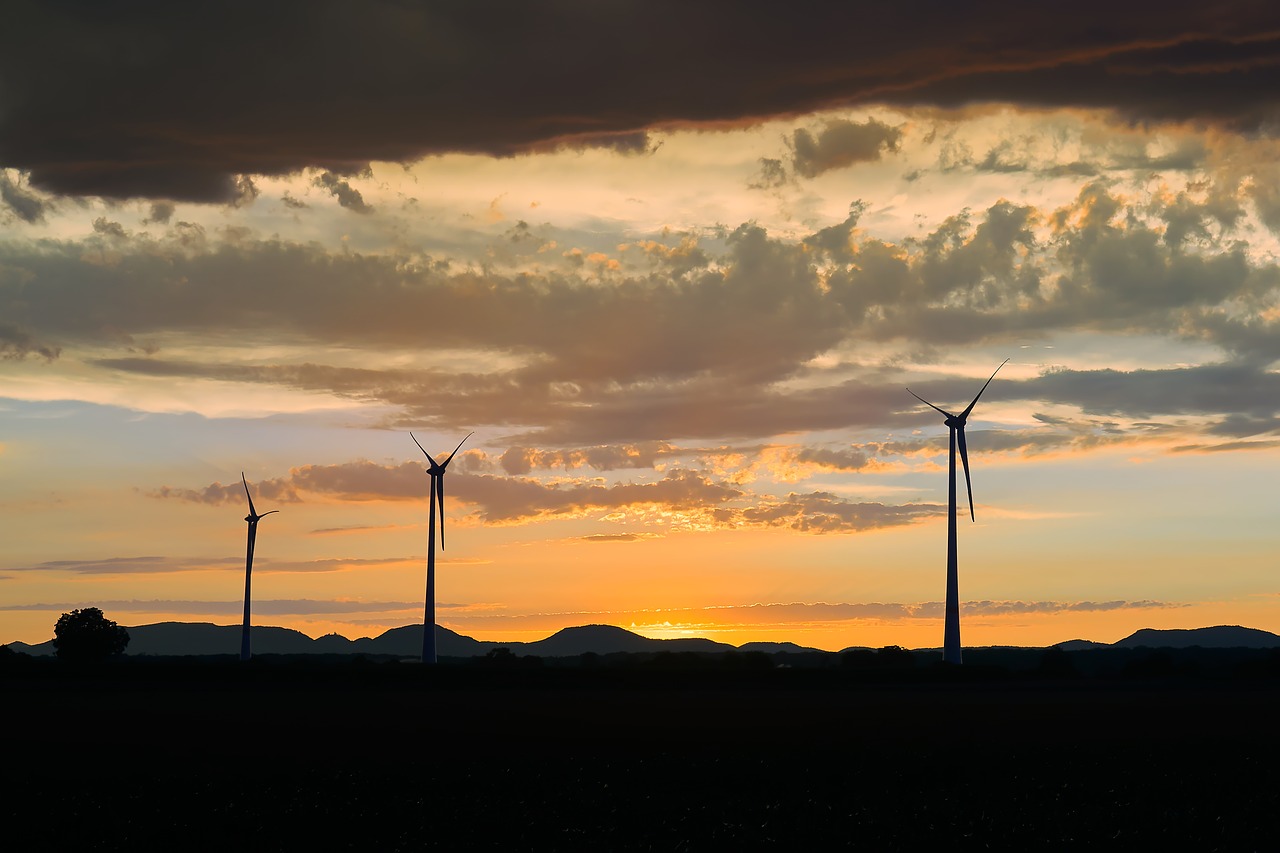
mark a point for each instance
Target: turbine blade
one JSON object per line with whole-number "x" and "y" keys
{"x": 456, "y": 449}
{"x": 268, "y": 512}
{"x": 966, "y": 412}
{"x": 927, "y": 403}
{"x": 440, "y": 494}
{"x": 252, "y": 511}
{"x": 964, "y": 459}
{"x": 423, "y": 449}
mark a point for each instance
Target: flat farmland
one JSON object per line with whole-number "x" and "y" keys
{"x": 343, "y": 757}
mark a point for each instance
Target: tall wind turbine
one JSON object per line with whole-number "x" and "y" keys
{"x": 253, "y": 518}
{"x": 437, "y": 492}
{"x": 951, "y": 625}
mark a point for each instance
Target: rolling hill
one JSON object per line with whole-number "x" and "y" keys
{"x": 203, "y": 638}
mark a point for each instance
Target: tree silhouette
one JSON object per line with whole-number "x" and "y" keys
{"x": 86, "y": 635}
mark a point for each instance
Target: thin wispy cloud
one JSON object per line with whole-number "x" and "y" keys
{"x": 165, "y": 564}
{"x": 261, "y": 607}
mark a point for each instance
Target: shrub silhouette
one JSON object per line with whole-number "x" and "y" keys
{"x": 87, "y": 636}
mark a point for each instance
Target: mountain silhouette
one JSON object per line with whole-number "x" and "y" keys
{"x": 773, "y": 648}
{"x": 203, "y": 638}
{"x": 1218, "y": 637}
{"x": 1079, "y": 645}
{"x": 406, "y": 642}
{"x": 607, "y": 640}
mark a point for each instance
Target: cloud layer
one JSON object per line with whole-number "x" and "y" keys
{"x": 142, "y": 104}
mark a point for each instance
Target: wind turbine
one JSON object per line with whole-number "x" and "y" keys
{"x": 437, "y": 491}
{"x": 253, "y": 518}
{"x": 951, "y": 623}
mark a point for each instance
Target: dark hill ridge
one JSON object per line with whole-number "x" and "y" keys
{"x": 1219, "y": 637}
{"x": 608, "y": 640}
{"x": 203, "y": 638}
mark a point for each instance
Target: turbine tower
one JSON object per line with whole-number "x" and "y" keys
{"x": 253, "y": 518}
{"x": 436, "y": 471}
{"x": 951, "y": 625}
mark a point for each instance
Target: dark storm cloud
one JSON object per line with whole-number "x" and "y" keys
{"x": 149, "y": 99}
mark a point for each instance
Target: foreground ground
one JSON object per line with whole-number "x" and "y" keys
{"x": 388, "y": 757}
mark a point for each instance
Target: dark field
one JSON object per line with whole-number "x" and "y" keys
{"x": 387, "y": 757}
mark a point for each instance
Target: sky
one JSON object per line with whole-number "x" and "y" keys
{"x": 675, "y": 266}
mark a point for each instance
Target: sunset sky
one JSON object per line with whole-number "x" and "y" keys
{"x": 675, "y": 264}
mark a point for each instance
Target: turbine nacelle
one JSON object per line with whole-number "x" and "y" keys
{"x": 956, "y": 423}
{"x": 253, "y": 516}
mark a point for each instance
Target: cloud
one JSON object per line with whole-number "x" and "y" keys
{"x": 518, "y": 499}
{"x": 794, "y": 614}
{"x": 347, "y": 195}
{"x": 1248, "y": 396}
{"x": 166, "y": 564}
{"x": 773, "y": 174}
{"x": 25, "y": 204}
{"x": 167, "y": 111}
{"x": 615, "y": 537}
{"x": 263, "y": 607}
{"x": 845, "y": 459}
{"x": 823, "y": 512}
{"x": 681, "y": 498}
{"x": 16, "y": 344}
{"x": 683, "y": 341}
{"x": 840, "y": 143}
{"x": 161, "y": 213}
{"x": 1227, "y": 446}
{"x": 523, "y": 460}
{"x": 498, "y": 499}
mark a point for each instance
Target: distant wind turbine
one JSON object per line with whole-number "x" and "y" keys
{"x": 253, "y": 518}
{"x": 951, "y": 624}
{"x": 436, "y": 471}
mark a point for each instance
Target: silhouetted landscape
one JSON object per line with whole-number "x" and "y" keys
{"x": 596, "y": 738}
{"x": 202, "y": 638}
